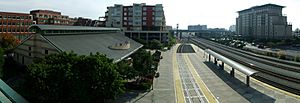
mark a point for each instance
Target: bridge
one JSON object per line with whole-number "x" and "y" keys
{"x": 201, "y": 33}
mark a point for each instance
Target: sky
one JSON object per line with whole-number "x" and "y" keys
{"x": 213, "y": 13}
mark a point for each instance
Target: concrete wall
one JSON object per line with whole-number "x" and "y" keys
{"x": 34, "y": 47}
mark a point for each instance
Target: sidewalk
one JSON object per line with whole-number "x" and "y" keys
{"x": 163, "y": 86}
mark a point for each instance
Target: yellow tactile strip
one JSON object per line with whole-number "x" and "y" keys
{"x": 177, "y": 82}
{"x": 207, "y": 93}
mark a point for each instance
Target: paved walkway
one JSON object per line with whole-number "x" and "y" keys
{"x": 163, "y": 86}
{"x": 221, "y": 85}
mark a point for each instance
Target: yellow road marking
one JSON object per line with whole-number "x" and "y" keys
{"x": 275, "y": 88}
{"x": 270, "y": 87}
{"x": 177, "y": 82}
{"x": 207, "y": 93}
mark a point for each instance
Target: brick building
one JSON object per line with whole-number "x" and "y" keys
{"x": 51, "y": 17}
{"x": 15, "y": 23}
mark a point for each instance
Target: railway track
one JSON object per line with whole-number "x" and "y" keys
{"x": 276, "y": 73}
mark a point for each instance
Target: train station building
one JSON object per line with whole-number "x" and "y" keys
{"x": 49, "y": 39}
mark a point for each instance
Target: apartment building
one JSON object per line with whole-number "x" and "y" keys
{"x": 15, "y": 23}
{"x": 138, "y": 21}
{"x": 263, "y": 22}
{"x": 51, "y": 17}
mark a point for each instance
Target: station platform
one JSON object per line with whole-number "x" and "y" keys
{"x": 228, "y": 89}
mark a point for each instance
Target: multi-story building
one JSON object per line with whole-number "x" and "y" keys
{"x": 80, "y": 21}
{"x": 139, "y": 21}
{"x": 50, "y": 17}
{"x": 232, "y": 28}
{"x": 197, "y": 27}
{"x": 297, "y": 33}
{"x": 263, "y": 22}
{"x": 15, "y": 23}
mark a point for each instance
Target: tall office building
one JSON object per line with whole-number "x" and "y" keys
{"x": 139, "y": 21}
{"x": 263, "y": 22}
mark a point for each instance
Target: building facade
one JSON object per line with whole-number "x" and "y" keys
{"x": 15, "y": 23}
{"x": 197, "y": 27}
{"x": 232, "y": 28}
{"x": 138, "y": 18}
{"x": 80, "y": 21}
{"x": 50, "y": 17}
{"x": 263, "y": 22}
{"x": 82, "y": 40}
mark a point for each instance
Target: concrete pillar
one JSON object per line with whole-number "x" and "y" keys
{"x": 160, "y": 38}
{"x": 139, "y": 35}
{"x": 215, "y": 61}
{"x": 222, "y": 66}
{"x": 247, "y": 80}
{"x": 147, "y": 37}
{"x": 232, "y": 72}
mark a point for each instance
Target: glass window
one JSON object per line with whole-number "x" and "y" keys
{"x": 29, "y": 54}
{"x": 29, "y": 48}
{"x": 0, "y": 16}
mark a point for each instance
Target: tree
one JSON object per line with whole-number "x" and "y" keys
{"x": 67, "y": 77}
{"x": 126, "y": 71}
{"x": 142, "y": 62}
{"x": 172, "y": 40}
{"x": 8, "y": 41}
{"x": 155, "y": 44}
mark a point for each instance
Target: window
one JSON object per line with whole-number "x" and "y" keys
{"x": 29, "y": 48}
{"x": 46, "y": 51}
{"x": 144, "y": 18}
{"x": 144, "y": 8}
{"x": 29, "y": 54}
{"x": 125, "y": 14}
{"x": 144, "y": 13}
{"x": 0, "y": 16}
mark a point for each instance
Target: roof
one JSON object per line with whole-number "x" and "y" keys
{"x": 255, "y": 7}
{"x": 8, "y": 95}
{"x": 61, "y": 27}
{"x": 246, "y": 70}
{"x": 92, "y": 43}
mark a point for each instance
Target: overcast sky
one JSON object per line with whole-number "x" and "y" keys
{"x": 213, "y": 13}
